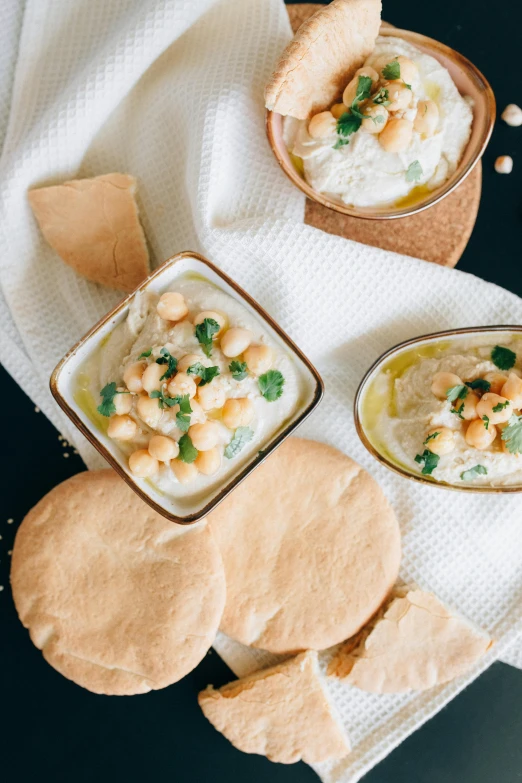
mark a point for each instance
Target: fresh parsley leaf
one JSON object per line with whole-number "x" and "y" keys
{"x": 431, "y": 437}
{"x": 239, "y": 440}
{"x": 485, "y": 419}
{"x": 182, "y": 416}
{"x": 382, "y": 98}
{"x": 206, "y": 374}
{"x": 392, "y": 71}
{"x": 271, "y": 385}
{"x": 459, "y": 392}
{"x": 458, "y": 411}
{"x": 239, "y": 370}
{"x": 364, "y": 88}
{"x": 469, "y": 475}
{"x": 500, "y": 406}
{"x": 108, "y": 393}
{"x": 479, "y": 384}
{"x": 205, "y": 331}
{"x": 408, "y": 86}
{"x": 503, "y": 358}
{"x": 187, "y": 451}
{"x": 170, "y": 361}
{"x": 145, "y": 354}
{"x": 512, "y": 435}
{"x": 414, "y": 172}
{"x": 347, "y": 124}
{"x": 163, "y": 401}
{"x": 429, "y": 460}
{"x": 340, "y": 143}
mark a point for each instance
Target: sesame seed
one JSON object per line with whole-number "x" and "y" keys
{"x": 9, "y": 551}
{"x": 65, "y": 454}
{"x": 1, "y": 588}
{"x": 10, "y": 521}
{"x": 36, "y": 409}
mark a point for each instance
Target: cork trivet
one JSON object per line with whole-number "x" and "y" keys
{"x": 439, "y": 234}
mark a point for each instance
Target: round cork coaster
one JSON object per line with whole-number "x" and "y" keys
{"x": 439, "y": 234}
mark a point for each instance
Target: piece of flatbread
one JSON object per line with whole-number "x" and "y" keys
{"x": 93, "y": 225}
{"x": 119, "y": 599}
{"x": 311, "y": 549}
{"x": 282, "y": 713}
{"x": 322, "y": 57}
{"x": 414, "y": 644}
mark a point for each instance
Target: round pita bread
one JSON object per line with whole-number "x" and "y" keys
{"x": 414, "y": 644}
{"x": 118, "y": 599}
{"x": 311, "y": 549}
{"x": 282, "y": 713}
{"x": 323, "y": 56}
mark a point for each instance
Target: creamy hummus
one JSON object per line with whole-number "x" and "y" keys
{"x": 400, "y": 411}
{"x": 146, "y": 337}
{"x": 362, "y": 173}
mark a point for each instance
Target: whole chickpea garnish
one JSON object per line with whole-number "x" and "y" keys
{"x": 322, "y": 125}
{"x": 172, "y": 306}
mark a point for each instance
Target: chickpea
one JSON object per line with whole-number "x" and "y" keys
{"x": 443, "y": 441}
{"x": 338, "y": 109}
{"x": 182, "y": 384}
{"x": 351, "y": 89}
{"x": 367, "y": 70}
{"x": 478, "y": 436}
{"x": 398, "y": 95}
{"x": 204, "y": 436}
{"x": 409, "y": 70}
{"x": 208, "y": 462}
{"x": 235, "y": 341}
{"x": 149, "y": 411}
{"x": 172, "y": 306}
{"x": 496, "y": 381}
{"x": 187, "y": 361}
{"x": 442, "y": 381}
{"x": 143, "y": 464}
{"x": 121, "y": 428}
{"x": 512, "y": 390}
{"x": 132, "y": 376}
{"x": 259, "y": 358}
{"x": 211, "y": 396}
{"x": 322, "y": 125}
{"x": 489, "y": 401}
{"x": 151, "y": 377}
{"x": 427, "y": 118}
{"x": 219, "y": 318}
{"x": 238, "y": 412}
{"x": 468, "y": 407}
{"x": 185, "y": 472}
{"x": 396, "y": 136}
{"x": 377, "y": 117}
{"x": 123, "y": 403}
{"x": 198, "y": 414}
{"x": 162, "y": 448}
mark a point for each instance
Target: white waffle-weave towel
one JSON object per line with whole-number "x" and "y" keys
{"x": 172, "y": 92}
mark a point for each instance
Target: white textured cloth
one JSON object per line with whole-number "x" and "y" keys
{"x": 171, "y": 91}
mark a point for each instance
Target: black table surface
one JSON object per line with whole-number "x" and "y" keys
{"x": 54, "y": 730}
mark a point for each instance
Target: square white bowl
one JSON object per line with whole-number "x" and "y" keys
{"x": 63, "y": 378}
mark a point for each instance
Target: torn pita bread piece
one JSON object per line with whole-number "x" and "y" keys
{"x": 413, "y": 643}
{"x": 93, "y": 225}
{"x": 322, "y": 57}
{"x": 282, "y": 713}
{"x": 117, "y": 598}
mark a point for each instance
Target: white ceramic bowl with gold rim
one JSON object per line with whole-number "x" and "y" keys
{"x": 67, "y": 390}
{"x": 371, "y": 399}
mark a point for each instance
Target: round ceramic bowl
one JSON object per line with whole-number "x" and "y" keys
{"x": 469, "y": 81}
{"x": 376, "y": 391}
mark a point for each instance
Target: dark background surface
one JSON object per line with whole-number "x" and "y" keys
{"x": 54, "y": 730}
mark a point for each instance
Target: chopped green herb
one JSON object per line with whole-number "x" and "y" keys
{"x": 382, "y": 98}
{"x": 163, "y": 401}
{"x": 187, "y": 451}
{"x": 503, "y": 358}
{"x": 108, "y": 393}
{"x": 500, "y": 406}
{"x": 170, "y": 361}
{"x": 479, "y": 385}
{"x": 458, "y": 411}
{"x": 377, "y": 120}
{"x": 512, "y": 435}
{"x": 392, "y": 71}
{"x": 239, "y": 370}
{"x": 347, "y": 124}
{"x": 340, "y": 143}
{"x": 183, "y": 415}
{"x": 206, "y": 374}
{"x": 485, "y": 419}
{"x": 429, "y": 460}
{"x": 431, "y": 437}
{"x": 145, "y": 354}
{"x": 459, "y": 392}
{"x": 408, "y": 86}
{"x": 271, "y": 385}
{"x": 414, "y": 172}
{"x": 239, "y": 440}
{"x": 205, "y": 331}
{"x": 469, "y": 475}
{"x": 364, "y": 87}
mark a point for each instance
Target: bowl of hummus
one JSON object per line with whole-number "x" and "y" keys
{"x": 446, "y": 409}
{"x": 186, "y": 387}
{"x": 408, "y": 127}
